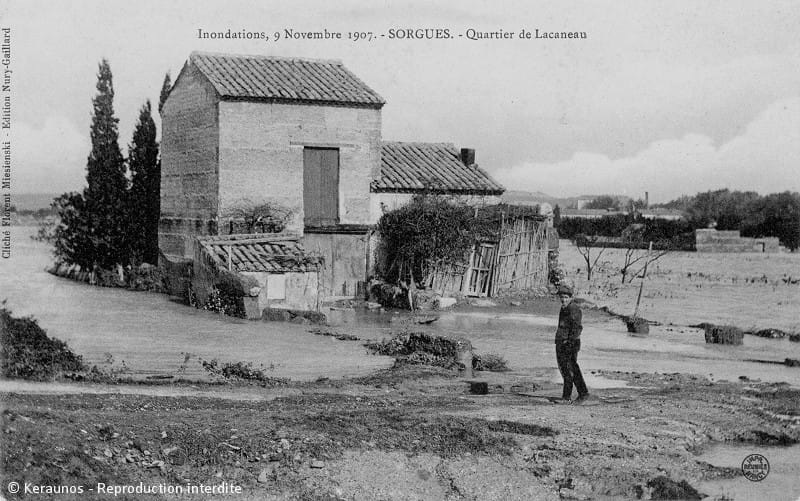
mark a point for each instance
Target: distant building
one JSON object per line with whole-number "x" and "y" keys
{"x": 666, "y": 214}
{"x": 711, "y": 240}
{"x": 659, "y": 213}
{"x": 590, "y": 213}
{"x": 582, "y": 201}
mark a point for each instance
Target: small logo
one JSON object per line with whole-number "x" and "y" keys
{"x": 755, "y": 467}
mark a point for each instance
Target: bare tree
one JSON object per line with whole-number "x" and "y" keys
{"x": 265, "y": 217}
{"x": 636, "y": 255}
{"x": 591, "y": 247}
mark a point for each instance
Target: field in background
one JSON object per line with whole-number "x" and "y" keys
{"x": 751, "y": 291}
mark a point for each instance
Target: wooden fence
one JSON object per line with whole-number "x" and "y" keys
{"x": 522, "y": 255}
{"x": 517, "y": 261}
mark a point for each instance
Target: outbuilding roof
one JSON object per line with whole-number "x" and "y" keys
{"x": 280, "y": 79}
{"x": 414, "y": 167}
{"x": 267, "y": 253}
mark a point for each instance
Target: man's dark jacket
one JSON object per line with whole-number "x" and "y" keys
{"x": 569, "y": 323}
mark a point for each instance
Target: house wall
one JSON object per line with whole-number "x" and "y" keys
{"x": 385, "y": 202}
{"x": 295, "y": 290}
{"x": 261, "y": 155}
{"x": 345, "y": 261}
{"x": 189, "y": 148}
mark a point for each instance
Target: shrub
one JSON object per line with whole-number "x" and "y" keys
{"x": 489, "y": 362}
{"x": 242, "y": 371}
{"x": 223, "y": 301}
{"x": 146, "y": 277}
{"x": 421, "y": 348}
{"x": 430, "y": 231}
{"x": 28, "y": 353}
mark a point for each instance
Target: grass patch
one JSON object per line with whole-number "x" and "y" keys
{"x": 28, "y": 353}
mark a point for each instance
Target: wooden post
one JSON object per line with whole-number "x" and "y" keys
{"x": 641, "y": 285}
{"x": 230, "y": 258}
{"x": 496, "y": 264}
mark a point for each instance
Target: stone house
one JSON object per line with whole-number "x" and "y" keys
{"x": 303, "y": 135}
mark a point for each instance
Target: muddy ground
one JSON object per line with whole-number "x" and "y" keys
{"x": 407, "y": 433}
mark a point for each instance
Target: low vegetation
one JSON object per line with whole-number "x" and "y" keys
{"x": 430, "y": 231}
{"x": 420, "y": 348}
{"x": 491, "y": 362}
{"x": 28, "y": 353}
{"x": 240, "y": 371}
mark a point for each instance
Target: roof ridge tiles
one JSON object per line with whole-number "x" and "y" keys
{"x": 337, "y": 62}
{"x": 418, "y": 143}
{"x": 276, "y": 78}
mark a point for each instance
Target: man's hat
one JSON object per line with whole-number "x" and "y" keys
{"x": 565, "y": 290}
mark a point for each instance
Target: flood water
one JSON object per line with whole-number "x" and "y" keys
{"x": 779, "y": 485}
{"x": 153, "y": 333}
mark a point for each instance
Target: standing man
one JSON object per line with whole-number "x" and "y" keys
{"x": 568, "y": 343}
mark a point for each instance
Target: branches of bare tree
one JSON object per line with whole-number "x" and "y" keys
{"x": 588, "y": 245}
{"x": 251, "y": 217}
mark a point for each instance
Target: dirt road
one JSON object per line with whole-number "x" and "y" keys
{"x": 407, "y": 433}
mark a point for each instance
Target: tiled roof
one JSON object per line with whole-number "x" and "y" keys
{"x": 264, "y": 78}
{"x": 409, "y": 167}
{"x": 269, "y": 253}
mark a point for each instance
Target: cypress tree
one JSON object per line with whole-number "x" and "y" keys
{"x": 105, "y": 194}
{"x": 165, "y": 88}
{"x": 144, "y": 197}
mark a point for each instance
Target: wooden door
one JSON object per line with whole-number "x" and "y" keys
{"x": 321, "y": 186}
{"x": 481, "y": 265}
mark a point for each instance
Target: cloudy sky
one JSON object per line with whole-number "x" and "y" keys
{"x": 667, "y": 97}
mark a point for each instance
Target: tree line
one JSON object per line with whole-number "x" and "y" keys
{"x": 113, "y": 221}
{"x": 754, "y": 215}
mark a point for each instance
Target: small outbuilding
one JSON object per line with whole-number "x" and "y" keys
{"x": 261, "y": 271}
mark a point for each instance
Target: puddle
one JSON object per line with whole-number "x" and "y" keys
{"x": 782, "y": 482}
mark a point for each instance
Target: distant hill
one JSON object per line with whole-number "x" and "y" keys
{"x": 517, "y": 197}
{"x": 32, "y": 201}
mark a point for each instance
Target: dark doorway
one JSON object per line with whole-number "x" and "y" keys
{"x": 321, "y": 186}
